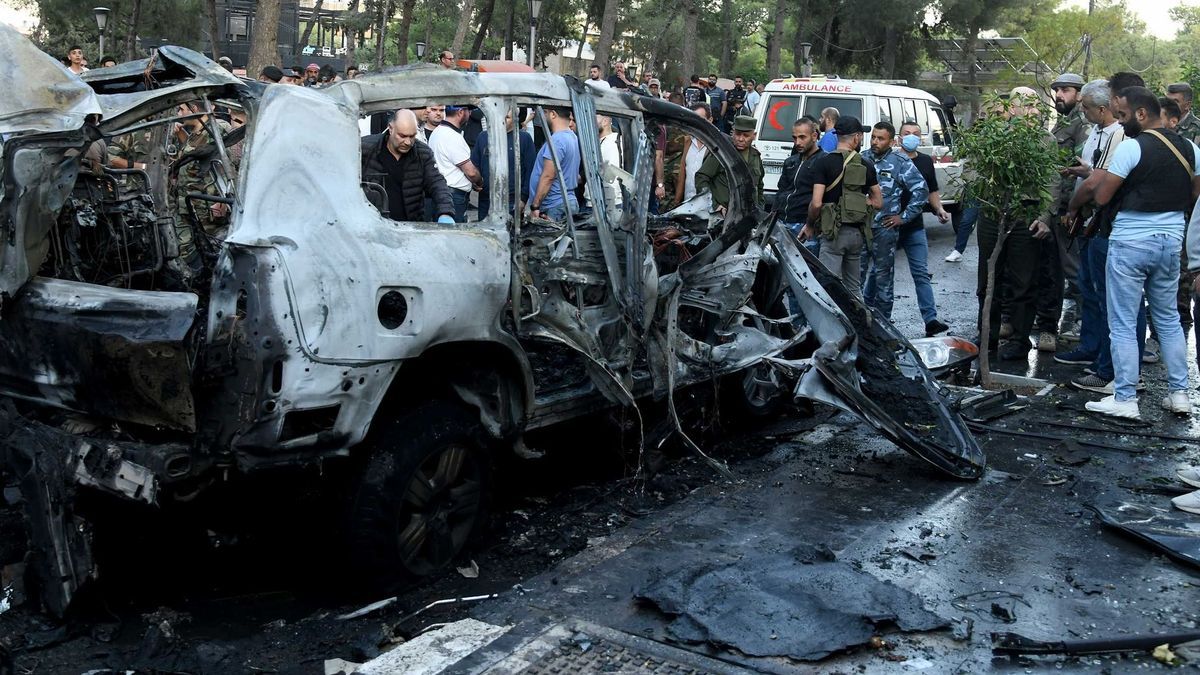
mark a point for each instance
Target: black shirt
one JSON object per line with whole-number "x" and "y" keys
{"x": 924, "y": 164}
{"x": 393, "y": 184}
{"x": 616, "y": 82}
{"x": 829, "y": 167}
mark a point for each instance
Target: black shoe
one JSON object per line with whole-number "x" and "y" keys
{"x": 934, "y": 327}
{"x": 1014, "y": 350}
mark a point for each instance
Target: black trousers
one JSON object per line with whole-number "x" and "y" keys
{"x": 1016, "y": 268}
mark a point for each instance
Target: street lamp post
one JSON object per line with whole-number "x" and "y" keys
{"x": 101, "y": 21}
{"x": 420, "y": 51}
{"x": 535, "y": 8}
{"x": 806, "y": 52}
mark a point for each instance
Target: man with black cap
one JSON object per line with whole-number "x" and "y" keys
{"x": 271, "y": 74}
{"x": 453, "y": 157}
{"x": 711, "y": 177}
{"x": 844, "y": 200}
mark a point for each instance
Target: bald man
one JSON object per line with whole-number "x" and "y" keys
{"x": 404, "y": 166}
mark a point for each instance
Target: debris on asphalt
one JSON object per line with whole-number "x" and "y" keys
{"x": 340, "y": 667}
{"x": 1168, "y": 531}
{"x": 815, "y": 605}
{"x": 443, "y": 603}
{"x": 962, "y": 629}
{"x": 1013, "y": 644}
{"x": 469, "y": 571}
{"x": 373, "y": 607}
{"x": 1164, "y": 654}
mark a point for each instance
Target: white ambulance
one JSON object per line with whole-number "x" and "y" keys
{"x": 786, "y": 100}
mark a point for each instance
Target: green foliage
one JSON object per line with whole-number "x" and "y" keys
{"x": 1008, "y": 157}
{"x": 67, "y": 22}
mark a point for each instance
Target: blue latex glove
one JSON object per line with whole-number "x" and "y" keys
{"x": 445, "y": 220}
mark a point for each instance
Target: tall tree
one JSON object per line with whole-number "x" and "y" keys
{"x": 464, "y": 23}
{"x": 608, "y": 30}
{"x": 385, "y": 8}
{"x": 264, "y": 36}
{"x": 135, "y": 17}
{"x": 775, "y": 39}
{"x": 691, "y": 29}
{"x": 402, "y": 35}
{"x": 728, "y": 44}
{"x": 800, "y": 17}
{"x": 350, "y": 25}
{"x": 485, "y": 24}
{"x": 510, "y": 30}
{"x": 316, "y": 17}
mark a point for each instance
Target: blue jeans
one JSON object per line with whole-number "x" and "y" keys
{"x": 1094, "y": 337}
{"x": 1149, "y": 265}
{"x": 813, "y": 245}
{"x": 879, "y": 269}
{"x": 966, "y": 224}
{"x": 915, "y": 244}
{"x": 460, "y": 198}
{"x": 558, "y": 212}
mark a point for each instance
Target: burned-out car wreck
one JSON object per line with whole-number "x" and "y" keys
{"x": 312, "y": 329}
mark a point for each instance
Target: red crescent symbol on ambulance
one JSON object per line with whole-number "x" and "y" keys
{"x": 771, "y": 115}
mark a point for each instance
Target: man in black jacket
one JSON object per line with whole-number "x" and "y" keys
{"x": 796, "y": 179}
{"x": 405, "y": 168}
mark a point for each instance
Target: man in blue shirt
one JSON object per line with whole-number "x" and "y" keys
{"x": 1153, "y": 181}
{"x": 829, "y": 119}
{"x": 717, "y": 103}
{"x": 897, "y": 175}
{"x": 546, "y": 195}
{"x": 517, "y": 184}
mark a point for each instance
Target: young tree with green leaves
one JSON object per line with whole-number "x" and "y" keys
{"x": 1012, "y": 167}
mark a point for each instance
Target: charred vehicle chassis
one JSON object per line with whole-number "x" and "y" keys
{"x": 319, "y": 329}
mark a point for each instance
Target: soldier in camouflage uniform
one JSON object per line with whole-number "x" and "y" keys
{"x": 1189, "y": 128}
{"x": 1059, "y": 261}
{"x": 129, "y": 151}
{"x": 198, "y": 176}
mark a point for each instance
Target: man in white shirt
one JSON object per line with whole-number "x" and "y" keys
{"x": 610, "y": 153}
{"x": 453, "y": 158}
{"x": 1094, "y": 349}
{"x": 1153, "y": 179}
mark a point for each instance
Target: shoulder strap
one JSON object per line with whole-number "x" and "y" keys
{"x": 1174, "y": 150}
{"x": 837, "y": 181}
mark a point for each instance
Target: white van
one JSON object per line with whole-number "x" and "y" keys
{"x": 786, "y": 100}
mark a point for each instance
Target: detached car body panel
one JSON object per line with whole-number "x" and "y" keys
{"x": 311, "y": 324}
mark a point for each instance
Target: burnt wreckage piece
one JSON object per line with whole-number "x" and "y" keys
{"x": 317, "y": 319}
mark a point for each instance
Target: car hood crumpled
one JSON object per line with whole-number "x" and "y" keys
{"x": 40, "y": 94}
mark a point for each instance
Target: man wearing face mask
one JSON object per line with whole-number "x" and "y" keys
{"x": 912, "y": 239}
{"x": 1153, "y": 179}
{"x": 897, "y": 175}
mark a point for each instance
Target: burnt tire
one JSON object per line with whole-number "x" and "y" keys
{"x": 423, "y": 496}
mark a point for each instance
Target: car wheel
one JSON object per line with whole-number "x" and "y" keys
{"x": 423, "y": 496}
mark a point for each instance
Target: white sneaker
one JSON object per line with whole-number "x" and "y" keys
{"x": 1189, "y": 502}
{"x": 954, "y": 256}
{"x": 1189, "y": 476}
{"x": 1178, "y": 403}
{"x": 1109, "y": 405}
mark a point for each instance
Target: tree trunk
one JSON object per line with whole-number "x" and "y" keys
{"x": 691, "y": 24}
{"x": 135, "y": 16}
{"x": 406, "y": 12}
{"x": 429, "y": 46}
{"x": 464, "y": 23}
{"x": 891, "y": 40}
{"x": 587, "y": 22}
{"x": 316, "y": 16}
{"x": 264, "y": 38}
{"x": 799, "y": 37}
{"x": 775, "y": 40}
{"x": 510, "y": 32}
{"x": 351, "y": 45}
{"x": 727, "y": 37}
{"x": 969, "y": 47}
{"x": 485, "y": 24}
{"x": 985, "y": 319}
{"x": 608, "y": 30}
{"x": 385, "y": 12}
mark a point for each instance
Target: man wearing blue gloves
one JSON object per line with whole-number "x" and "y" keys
{"x": 406, "y": 169}
{"x": 897, "y": 175}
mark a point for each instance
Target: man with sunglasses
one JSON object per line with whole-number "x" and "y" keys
{"x": 446, "y": 59}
